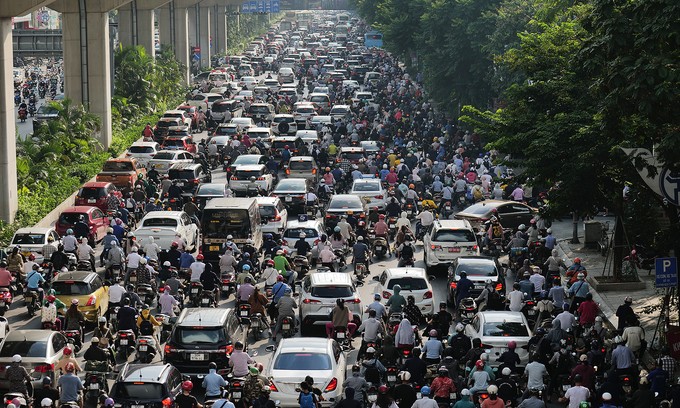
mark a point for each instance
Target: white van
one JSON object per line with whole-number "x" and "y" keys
{"x": 448, "y": 240}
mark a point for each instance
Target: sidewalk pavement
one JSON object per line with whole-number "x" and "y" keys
{"x": 646, "y": 295}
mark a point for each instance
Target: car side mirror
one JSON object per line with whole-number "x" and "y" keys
{"x": 431, "y": 277}
{"x": 376, "y": 278}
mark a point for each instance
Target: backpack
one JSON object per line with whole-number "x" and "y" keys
{"x": 477, "y": 193}
{"x": 307, "y": 400}
{"x": 407, "y": 252}
{"x": 371, "y": 374}
{"x": 146, "y": 327}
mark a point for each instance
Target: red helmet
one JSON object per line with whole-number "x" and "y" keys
{"x": 174, "y": 245}
{"x": 200, "y": 257}
{"x": 362, "y": 224}
{"x": 68, "y": 351}
{"x": 383, "y": 389}
{"x": 577, "y": 260}
{"x": 70, "y": 367}
{"x": 279, "y": 278}
{"x": 479, "y": 364}
{"x": 187, "y": 385}
{"x": 381, "y": 216}
{"x": 270, "y": 262}
{"x": 512, "y": 345}
{"x": 51, "y": 298}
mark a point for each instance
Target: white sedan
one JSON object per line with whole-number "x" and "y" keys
{"x": 163, "y": 225}
{"x": 496, "y": 329}
{"x": 295, "y": 358}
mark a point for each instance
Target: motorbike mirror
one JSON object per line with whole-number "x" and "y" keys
{"x": 254, "y": 353}
{"x": 359, "y": 283}
{"x": 376, "y": 278}
{"x": 270, "y": 348}
{"x": 431, "y": 277}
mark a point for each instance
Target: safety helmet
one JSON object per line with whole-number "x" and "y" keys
{"x": 370, "y": 350}
{"x": 522, "y": 227}
{"x": 187, "y": 385}
{"x": 443, "y": 370}
{"x": 506, "y": 371}
{"x": 46, "y": 402}
{"x": 109, "y": 402}
{"x": 479, "y": 364}
{"x": 16, "y": 358}
{"x": 580, "y": 275}
{"x": 360, "y": 238}
{"x": 246, "y": 267}
{"x": 142, "y": 261}
{"x": 270, "y": 262}
{"x": 51, "y": 298}
{"x": 200, "y": 257}
{"x": 336, "y": 229}
{"x": 175, "y": 244}
{"x": 101, "y": 319}
{"x": 74, "y": 301}
{"x": 411, "y": 186}
{"x": 577, "y": 260}
{"x": 492, "y": 390}
{"x": 512, "y": 344}
{"x": 70, "y": 367}
{"x": 246, "y": 255}
{"x": 425, "y": 390}
{"x": 230, "y": 237}
{"x": 404, "y": 375}
{"x": 433, "y": 333}
{"x": 69, "y": 231}
{"x": 279, "y": 278}
{"x": 465, "y": 392}
{"x": 460, "y": 327}
{"x": 303, "y": 235}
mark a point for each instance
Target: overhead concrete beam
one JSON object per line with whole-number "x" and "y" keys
{"x": 151, "y": 4}
{"x": 13, "y": 8}
{"x": 92, "y": 6}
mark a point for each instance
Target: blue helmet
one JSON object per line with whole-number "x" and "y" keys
{"x": 246, "y": 255}
{"x": 425, "y": 390}
{"x": 246, "y": 267}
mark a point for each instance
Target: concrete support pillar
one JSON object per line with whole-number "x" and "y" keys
{"x": 220, "y": 38}
{"x": 146, "y": 19}
{"x": 8, "y": 154}
{"x": 166, "y": 23}
{"x": 127, "y": 25}
{"x": 204, "y": 36}
{"x": 192, "y": 31}
{"x": 181, "y": 44}
{"x": 87, "y": 65}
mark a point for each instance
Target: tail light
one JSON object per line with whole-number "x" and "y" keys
{"x": 314, "y": 171}
{"x": 234, "y": 178}
{"x": 379, "y": 197}
{"x": 167, "y": 402}
{"x": 386, "y": 294}
{"x": 226, "y": 280}
{"x": 260, "y": 178}
{"x": 406, "y": 352}
{"x": 435, "y": 247}
{"x": 161, "y": 289}
{"x": 499, "y": 287}
{"x": 91, "y": 301}
{"x": 288, "y": 172}
{"x": 168, "y": 350}
{"x": 272, "y": 387}
{"x": 316, "y": 241}
{"x": 453, "y": 285}
{"x": 277, "y": 217}
{"x": 355, "y": 300}
{"x": 124, "y": 335}
{"x": 308, "y": 301}
{"x": 284, "y": 242}
{"x": 428, "y": 295}
{"x": 227, "y": 350}
{"x": 195, "y": 181}
{"x": 142, "y": 341}
{"x": 483, "y": 396}
{"x": 44, "y": 368}
{"x": 331, "y": 385}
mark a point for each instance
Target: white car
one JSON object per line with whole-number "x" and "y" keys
{"x": 31, "y": 240}
{"x": 351, "y": 84}
{"x": 496, "y": 329}
{"x": 240, "y": 178}
{"x": 165, "y": 159}
{"x": 313, "y": 229}
{"x": 143, "y": 151}
{"x": 163, "y": 225}
{"x": 321, "y": 120}
{"x": 302, "y": 112}
{"x": 178, "y": 113}
{"x": 295, "y": 358}
{"x": 274, "y": 213}
{"x": 283, "y": 124}
{"x": 413, "y": 281}
{"x": 371, "y": 191}
{"x": 448, "y": 240}
{"x": 248, "y": 82}
{"x": 244, "y": 123}
{"x": 366, "y": 97}
{"x": 308, "y": 136}
{"x": 318, "y": 295}
{"x": 341, "y": 112}
{"x": 286, "y": 74}
{"x": 272, "y": 84}
{"x": 204, "y": 100}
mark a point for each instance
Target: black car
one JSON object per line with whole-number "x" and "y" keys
{"x": 200, "y": 336}
{"x": 145, "y": 385}
{"x": 189, "y": 176}
{"x": 207, "y": 191}
{"x": 479, "y": 270}
{"x": 292, "y": 192}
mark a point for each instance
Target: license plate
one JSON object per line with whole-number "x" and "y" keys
{"x": 180, "y": 184}
{"x": 225, "y": 287}
{"x": 532, "y": 312}
{"x": 286, "y": 326}
{"x": 94, "y": 386}
{"x": 244, "y": 313}
{"x": 91, "y": 200}
{"x": 289, "y": 199}
{"x": 565, "y": 387}
{"x": 143, "y": 348}
{"x": 340, "y": 335}
{"x": 197, "y": 357}
{"x": 2, "y": 303}
{"x": 455, "y": 249}
{"x": 205, "y": 301}
{"x": 123, "y": 342}
{"x": 452, "y": 396}
{"x": 137, "y": 406}
{"x": 378, "y": 248}
{"x": 133, "y": 279}
{"x": 194, "y": 290}
{"x": 213, "y": 248}
{"x": 392, "y": 378}
{"x": 236, "y": 394}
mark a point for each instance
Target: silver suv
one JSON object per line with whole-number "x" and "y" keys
{"x": 318, "y": 294}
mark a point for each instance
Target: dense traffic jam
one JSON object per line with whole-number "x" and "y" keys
{"x": 253, "y": 218}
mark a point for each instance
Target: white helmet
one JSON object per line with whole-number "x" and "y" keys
{"x": 404, "y": 375}
{"x": 460, "y": 327}
{"x": 230, "y": 237}
{"x": 102, "y": 319}
{"x": 492, "y": 389}
{"x": 142, "y": 261}
{"x": 46, "y": 402}
{"x": 506, "y": 371}
{"x": 134, "y": 249}
{"x": 303, "y": 235}
{"x": 465, "y": 391}
{"x": 16, "y": 358}
{"x": 522, "y": 227}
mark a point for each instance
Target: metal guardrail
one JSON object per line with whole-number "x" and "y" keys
{"x": 28, "y": 43}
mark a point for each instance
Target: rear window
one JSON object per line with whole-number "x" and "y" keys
{"x": 198, "y": 98}
{"x": 181, "y": 174}
{"x": 300, "y": 165}
{"x": 24, "y": 348}
{"x": 92, "y": 192}
{"x": 267, "y": 211}
{"x": 202, "y": 335}
{"x": 141, "y": 149}
{"x": 246, "y": 159}
{"x": 408, "y": 283}
{"x": 160, "y": 222}
{"x": 352, "y": 155}
{"x": 173, "y": 143}
{"x": 164, "y": 156}
{"x": 305, "y": 110}
{"x": 286, "y": 119}
{"x": 478, "y": 209}
{"x": 215, "y": 98}
{"x": 220, "y": 107}
{"x": 319, "y": 99}
{"x": 117, "y": 166}
{"x": 70, "y": 218}
{"x": 137, "y": 391}
{"x": 340, "y": 203}
{"x": 259, "y": 109}
{"x": 295, "y": 233}
{"x": 210, "y": 189}
{"x": 246, "y": 174}
{"x": 302, "y": 362}
{"x": 505, "y": 329}
{"x": 71, "y": 288}
{"x": 225, "y": 130}
{"x": 332, "y": 291}
{"x": 477, "y": 269}
{"x": 454, "y": 236}
{"x": 291, "y": 185}
{"x": 165, "y": 124}
{"x": 28, "y": 239}
{"x": 360, "y": 187}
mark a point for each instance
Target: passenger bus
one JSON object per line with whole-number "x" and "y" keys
{"x": 373, "y": 39}
{"x": 239, "y": 217}
{"x": 343, "y": 18}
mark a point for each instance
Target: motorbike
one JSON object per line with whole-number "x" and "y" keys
{"x": 258, "y": 325}
{"x": 228, "y": 284}
{"x": 379, "y": 246}
{"x": 287, "y": 327}
{"x": 529, "y": 311}
{"x": 95, "y": 383}
{"x": 125, "y": 342}
{"x": 73, "y": 337}
{"x": 113, "y": 318}
{"x": 84, "y": 265}
{"x": 236, "y": 389}
{"x": 208, "y": 299}
{"x": 167, "y": 323}
{"x": 340, "y": 261}
{"x": 244, "y": 313}
{"x": 32, "y": 109}
{"x": 5, "y": 300}
{"x": 391, "y": 375}
{"x": 360, "y": 270}
{"x": 341, "y": 335}
{"x": 393, "y": 321}
{"x": 195, "y": 292}
{"x": 31, "y": 298}
{"x": 301, "y": 265}
{"x": 467, "y": 309}
{"x": 146, "y": 293}
{"x": 23, "y": 114}
{"x": 410, "y": 210}
{"x": 145, "y": 349}
{"x": 371, "y": 396}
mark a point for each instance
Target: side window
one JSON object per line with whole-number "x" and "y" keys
{"x": 279, "y": 206}
{"x": 336, "y": 350}
{"x": 58, "y": 342}
{"x": 96, "y": 284}
{"x": 520, "y": 209}
{"x": 505, "y": 209}
{"x": 232, "y": 321}
{"x": 306, "y": 284}
{"x": 174, "y": 379}
{"x": 475, "y": 324}
{"x": 383, "y": 278}
{"x": 97, "y": 214}
{"x": 185, "y": 219}
{"x": 54, "y": 235}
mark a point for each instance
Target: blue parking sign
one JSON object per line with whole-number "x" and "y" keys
{"x": 666, "y": 272}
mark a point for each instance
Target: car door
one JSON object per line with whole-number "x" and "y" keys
{"x": 508, "y": 216}
{"x": 100, "y": 223}
{"x": 522, "y": 214}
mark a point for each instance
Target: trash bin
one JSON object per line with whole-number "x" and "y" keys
{"x": 593, "y": 233}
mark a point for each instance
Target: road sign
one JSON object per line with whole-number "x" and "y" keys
{"x": 253, "y": 6}
{"x": 670, "y": 186}
{"x": 260, "y": 6}
{"x": 276, "y": 6}
{"x": 666, "y": 272}
{"x": 245, "y": 8}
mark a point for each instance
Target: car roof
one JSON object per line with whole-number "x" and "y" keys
{"x": 367, "y": 181}
{"x": 499, "y": 316}
{"x": 259, "y": 156}
{"x": 177, "y": 111}
{"x": 340, "y": 106}
{"x": 154, "y": 373}
{"x": 78, "y": 276}
{"x": 33, "y": 230}
{"x": 259, "y": 129}
{"x": 203, "y": 316}
{"x": 283, "y": 115}
{"x": 29, "y": 334}
{"x": 304, "y": 344}
{"x": 351, "y": 149}
{"x": 476, "y": 260}
{"x": 249, "y": 167}
{"x": 400, "y": 272}
{"x": 79, "y": 209}
{"x": 267, "y": 200}
{"x": 163, "y": 214}
{"x": 145, "y": 144}
{"x": 175, "y": 152}
{"x": 301, "y": 158}
{"x": 316, "y": 224}
{"x": 330, "y": 278}
{"x": 97, "y": 184}
{"x": 453, "y": 224}
{"x": 286, "y": 138}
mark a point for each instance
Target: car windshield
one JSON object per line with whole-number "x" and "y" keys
{"x": 267, "y": 211}
{"x": 408, "y": 283}
{"x": 319, "y": 99}
{"x": 478, "y": 209}
{"x": 70, "y": 288}
{"x": 69, "y": 218}
{"x": 259, "y": 109}
{"x": 339, "y": 203}
{"x": 137, "y": 391}
{"x": 29, "y": 239}
{"x": 505, "y": 329}
{"x": 246, "y": 159}
{"x": 305, "y": 110}
{"x": 332, "y": 291}
{"x": 220, "y": 107}
{"x": 226, "y": 130}
{"x": 360, "y": 187}
{"x": 300, "y": 165}
{"x": 302, "y": 362}
{"x": 295, "y": 233}
{"x": 164, "y": 156}
{"x": 200, "y": 335}
{"x": 217, "y": 222}
{"x": 454, "y": 236}
{"x": 352, "y": 155}
{"x": 287, "y": 119}
{"x": 173, "y": 143}
{"x": 291, "y": 185}
{"x": 210, "y": 189}
{"x": 91, "y": 192}
{"x": 181, "y": 174}
{"x": 47, "y": 110}
{"x": 26, "y": 348}
{"x": 477, "y": 269}
{"x": 141, "y": 149}
{"x": 159, "y": 222}
{"x": 198, "y": 97}
{"x": 118, "y": 166}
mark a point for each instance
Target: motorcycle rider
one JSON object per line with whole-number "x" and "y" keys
{"x": 406, "y": 253}
{"x": 168, "y": 302}
{"x": 17, "y": 376}
{"x": 239, "y": 361}
{"x": 360, "y": 252}
{"x": 426, "y": 219}
{"x": 341, "y": 317}
{"x": 356, "y": 382}
{"x": 210, "y": 282}
{"x": 227, "y": 262}
{"x": 185, "y": 399}
{"x": 460, "y": 343}
{"x": 97, "y": 353}
{"x": 442, "y": 386}
{"x": 127, "y": 317}
{"x": 396, "y": 302}
{"x": 285, "y": 308}
{"x": 213, "y": 382}
{"x": 197, "y": 268}
{"x": 245, "y": 290}
{"x": 114, "y": 257}
{"x": 85, "y": 253}
{"x": 70, "y": 386}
